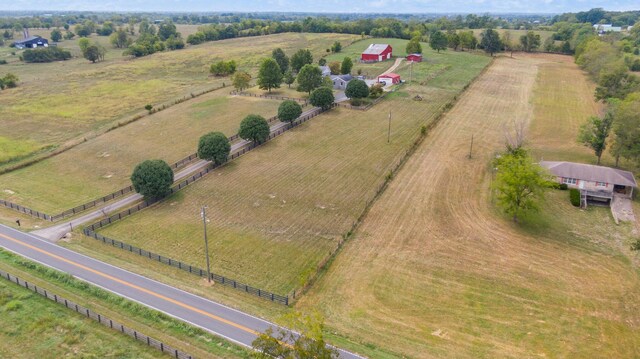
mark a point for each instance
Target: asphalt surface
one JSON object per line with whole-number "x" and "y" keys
{"x": 59, "y": 230}
{"x": 231, "y": 324}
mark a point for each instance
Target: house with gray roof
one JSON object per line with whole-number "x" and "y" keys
{"x": 340, "y": 82}
{"x": 596, "y": 183}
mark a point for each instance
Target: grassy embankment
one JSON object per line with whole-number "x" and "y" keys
{"x": 61, "y": 332}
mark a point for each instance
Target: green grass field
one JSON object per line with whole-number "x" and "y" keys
{"x": 59, "y": 101}
{"x": 33, "y": 326}
{"x": 278, "y": 211}
{"x": 104, "y": 164}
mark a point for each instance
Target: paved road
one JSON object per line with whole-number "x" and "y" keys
{"x": 58, "y": 230}
{"x": 216, "y": 318}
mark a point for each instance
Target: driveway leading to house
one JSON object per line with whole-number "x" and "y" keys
{"x": 621, "y": 209}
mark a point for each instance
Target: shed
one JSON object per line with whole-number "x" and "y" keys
{"x": 389, "y": 78}
{"x": 31, "y": 42}
{"x": 414, "y": 57}
{"x": 377, "y": 52}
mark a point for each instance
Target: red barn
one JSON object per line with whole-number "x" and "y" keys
{"x": 389, "y": 78}
{"x": 377, "y": 52}
{"x": 414, "y": 57}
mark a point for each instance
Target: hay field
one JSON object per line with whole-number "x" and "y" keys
{"x": 277, "y": 212}
{"x": 104, "y": 164}
{"x": 436, "y": 272}
{"x": 59, "y": 101}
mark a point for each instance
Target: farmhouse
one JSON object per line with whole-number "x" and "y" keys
{"x": 603, "y": 28}
{"x": 31, "y": 42}
{"x": 596, "y": 183}
{"x": 389, "y": 78}
{"x": 340, "y": 82}
{"x": 377, "y": 52}
{"x": 414, "y": 57}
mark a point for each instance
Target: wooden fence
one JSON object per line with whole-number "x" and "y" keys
{"x": 90, "y": 230}
{"x": 98, "y": 317}
{"x": 119, "y": 193}
{"x": 272, "y": 97}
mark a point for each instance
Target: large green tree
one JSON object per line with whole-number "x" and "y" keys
{"x": 322, "y": 97}
{"x": 413, "y": 46}
{"x": 120, "y": 39}
{"x": 520, "y": 183}
{"x": 241, "y": 80}
{"x": 594, "y": 133}
{"x": 254, "y": 128}
{"x": 346, "y": 66}
{"x": 152, "y": 179}
{"x": 490, "y": 41}
{"x": 281, "y": 58}
{"x": 300, "y": 58}
{"x": 530, "y": 42}
{"x": 270, "y": 75}
{"x": 357, "y": 89}
{"x": 627, "y": 129}
{"x": 214, "y": 147}
{"x": 616, "y": 83}
{"x": 468, "y": 40}
{"x": 309, "y": 78}
{"x": 289, "y": 111}
{"x": 438, "y": 41}
{"x": 56, "y": 35}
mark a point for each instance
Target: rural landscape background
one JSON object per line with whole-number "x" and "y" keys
{"x": 377, "y": 224}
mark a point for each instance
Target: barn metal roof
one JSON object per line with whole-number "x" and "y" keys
{"x": 593, "y": 173}
{"x": 29, "y": 39}
{"x": 375, "y": 49}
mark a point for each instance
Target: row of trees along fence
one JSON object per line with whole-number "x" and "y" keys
{"x": 119, "y": 193}
{"x": 272, "y": 97}
{"x": 90, "y": 230}
{"x": 175, "y": 353}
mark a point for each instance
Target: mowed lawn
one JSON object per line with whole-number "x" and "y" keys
{"x": 58, "y": 101}
{"x": 435, "y": 271}
{"x": 104, "y": 164}
{"x": 35, "y": 327}
{"x": 278, "y": 211}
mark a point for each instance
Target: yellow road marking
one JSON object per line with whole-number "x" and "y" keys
{"x": 186, "y": 306}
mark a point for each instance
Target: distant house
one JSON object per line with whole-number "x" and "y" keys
{"x": 389, "y": 78}
{"x": 596, "y": 183}
{"x": 604, "y": 28}
{"x": 326, "y": 71}
{"x": 414, "y": 57}
{"x": 340, "y": 82}
{"x": 31, "y": 42}
{"x": 377, "y": 52}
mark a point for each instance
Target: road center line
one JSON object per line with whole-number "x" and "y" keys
{"x": 183, "y": 305}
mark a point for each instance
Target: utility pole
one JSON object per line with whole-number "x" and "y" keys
{"x": 206, "y": 242}
{"x": 471, "y": 147}
{"x": 389, "y": 131}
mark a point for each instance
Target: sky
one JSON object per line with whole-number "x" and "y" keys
{"x": 359, "y": 6}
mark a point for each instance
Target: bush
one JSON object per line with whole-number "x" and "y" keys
{"x": 12, "y": 305}
{"x": 574, "y": 197}
{"x": 3, "y": 62}
{"x": 223, "y": 68}
{"x": 254, "y": 128}
{"x": 46, "y": 54}
{"x": 152, "y": 179}
{"x": 563, "y": 187}
{"x": 215, "y": 147}
{"x": 376, "y": 90}
{"x": 356, "y": 102}
{"x": 635, "y": 66}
